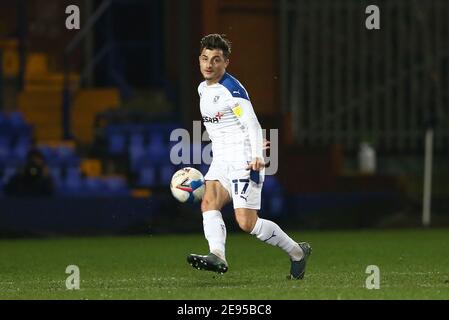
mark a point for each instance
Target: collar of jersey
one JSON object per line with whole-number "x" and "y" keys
{"x": 225, "y": 76}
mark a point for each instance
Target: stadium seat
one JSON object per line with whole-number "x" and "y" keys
{"x": 5, "y": 144}
{"x": 162, "y": 129}
{"x": 73, "y": 180}
{"x": 55, "y": 172}
{"x": 166, "y": 172}
{"x": 147, "y": 176}
{"x": 95, "y": 185}
{"x": 5, "y": 125}
{"x": 64, "y": 152}
{"x": 137, "y": 154}
{"x": 91, "y": 167}
{"x": 116, "y": 140}
{"x": 72, "y": 161}
{"x": 56, "y": 176}
{"x": 117, "y": 143}
{"x": 47, "y": 152}
{"x": 136, "y": 139}
{"x": 22, "y": 146}
{"x": 156, "y": 137}
{"x": 116, "y": 185}
{"x": 17, "y": 124}
{"x": 158, "y": 150}
{"x": 16, "y": 119}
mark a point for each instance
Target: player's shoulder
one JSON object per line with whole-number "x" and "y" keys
{"x": 234, "y": 87}
{"x": 201, "y": 86}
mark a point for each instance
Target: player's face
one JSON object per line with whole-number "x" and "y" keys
{"x": 213, "y": 64}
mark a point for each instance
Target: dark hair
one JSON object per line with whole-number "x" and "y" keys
{"x": 216, "y": 41}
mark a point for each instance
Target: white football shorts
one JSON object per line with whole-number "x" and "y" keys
{"x": 240, "y": 183}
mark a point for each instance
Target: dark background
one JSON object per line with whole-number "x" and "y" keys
{"x": 100, "y": 103}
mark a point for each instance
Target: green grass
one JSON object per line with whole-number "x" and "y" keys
{"x": 413, "y": 264}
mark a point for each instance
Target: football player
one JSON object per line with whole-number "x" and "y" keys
{"x": 237, "y": 170}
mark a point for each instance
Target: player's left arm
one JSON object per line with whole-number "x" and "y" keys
{"x": 245, "y": 112}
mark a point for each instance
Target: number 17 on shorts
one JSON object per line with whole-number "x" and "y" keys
{"x": 246, "y": 194}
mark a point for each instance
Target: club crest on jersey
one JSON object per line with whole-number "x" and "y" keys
{"x": 215, "y": 119}
{"x": 216, "y": 99}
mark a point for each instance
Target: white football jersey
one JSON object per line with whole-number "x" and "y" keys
{"x": 230, "y": 121}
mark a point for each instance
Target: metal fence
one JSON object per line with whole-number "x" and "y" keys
{"x": 343, "y": 83}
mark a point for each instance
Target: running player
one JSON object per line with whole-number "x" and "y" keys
{"x": 237, "y": 170}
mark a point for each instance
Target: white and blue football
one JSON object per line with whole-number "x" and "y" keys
{"x": 187, "y": 185}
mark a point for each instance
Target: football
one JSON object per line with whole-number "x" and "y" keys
{"x": 187, "y": 185}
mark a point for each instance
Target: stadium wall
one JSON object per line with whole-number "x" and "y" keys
{"x": 159, "y": 214}
{"x": 67, "y": 216}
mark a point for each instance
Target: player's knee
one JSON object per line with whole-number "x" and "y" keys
{"x": 208, "y": 204}
{"x": 205, "y": 204}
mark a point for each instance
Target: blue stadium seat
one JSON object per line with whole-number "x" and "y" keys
{"x": 5, "y": 145}
{"x": 157, "y": 137}
{"x": 116, "y": 139}
{"x": 16, "y": 119}
{"x": 47, "y": 152}
{"x": 147, "y": 176}
{"x": 55, "y": 163}
{"x": 115, "y": 183}
{"x": 5, "y": 125}
{"x": 22, "y": 146}
{"x": 158, "y": 151}
{"x": 73, "y": 179}
{"x": 55, "y": 172}
{"x": 117, "y": 143}
{"x": 162, "y": 129}
{"x": 64, "y": 152}
{"x": 94, "y": 185}
{"x": 72, "y": 161}
{"x": 136, "y": 139}
{"x": 166, "y": 172}
{"x": 137, "y": 154}
{"x": 18, "y": 125}
{"x": 116, "y": 186}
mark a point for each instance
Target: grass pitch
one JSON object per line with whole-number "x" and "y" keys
{"x": 413, "y": 264}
